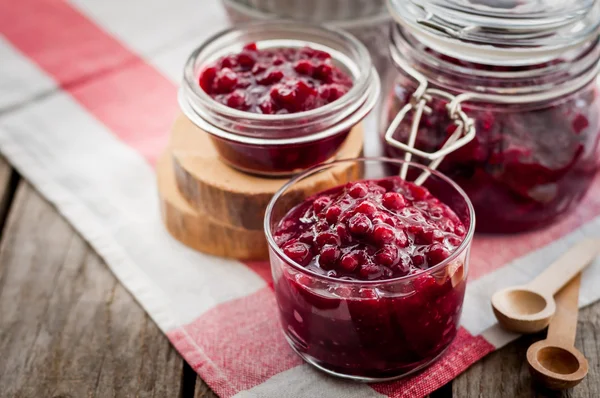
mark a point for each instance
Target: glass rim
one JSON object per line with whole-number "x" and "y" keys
{"x": 361, "y": 82}
{"x": 366, "y": 106}
{"x": 563, "y": 78}
{"x": 474, "y": 27}
{"x": 307, "y": 173}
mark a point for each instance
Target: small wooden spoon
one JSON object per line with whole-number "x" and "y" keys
{"x": 529, "y": 308}
{"x": 555, "y": 362}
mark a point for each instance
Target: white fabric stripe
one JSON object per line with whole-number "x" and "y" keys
{"x": 497, "y": 336}
{"x": 164, "y": 33}
{"x": 477, "y": 312}
{"x": 17, "y": 90}
{"x": 59, "y": 147}
{"x": 304, "y": 381}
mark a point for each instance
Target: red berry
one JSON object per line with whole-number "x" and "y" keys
{"x": 304, "y": 67}
{"x": 327, "y": 238}
{"x": 246, "y": 60}
{"x": 387, "y": 256}
{"x": 369, "y": 271}
{"x": 307, "y": 237}
{"x": 272, "y": 76}
{"x": 323, "y": 72}
{"x": 359, "y": 224}
{"x": 418, "y": 260}
{"x": 383, "y": 233}
{"x": 358, "y": 190}
{"x": 332, "y": 214}
{"x": 207, "y": 78}
{"x": 383, "y": 217}
{"x": 297, "y": 252}
{"x": 225, "y": 80}
{"x": 350, "y": 261}
{"x": 321, "y": 203}
{"x": 267, "y": 107}
{"x": 367, "y": 208}
{"x": 393, "y": 201}
{"x": 329, "y": 256}
{"x": 580, "y": 123}
{"x": 418, "y": 192}
{"x": 437, "y": 253}
{"x": 342, "y": 232}
{"x": 237, "y": 100}
{"x": 250, "y": 47}
{"x": 228, "y": 62}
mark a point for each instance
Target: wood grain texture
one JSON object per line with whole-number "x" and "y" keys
{"x": 237, "y": 198}
{"x": 8, "y": 184}
{"x": 67, "y": 326}
{"x": 200, "y": 230}
{"x": 203, "y": 391}
{"x": 505, "y": 373}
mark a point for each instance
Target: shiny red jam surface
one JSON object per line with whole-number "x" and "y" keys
{"x": 372, "y": 230}
{"x": 275, "y": 81}
{"x": 526, "y": 167}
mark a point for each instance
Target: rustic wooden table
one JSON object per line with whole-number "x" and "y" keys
{"x": 69, "y": 329}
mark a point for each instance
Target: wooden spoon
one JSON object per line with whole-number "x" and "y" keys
{"x": 529, "y": 308}
{"x": 555, "y": 362}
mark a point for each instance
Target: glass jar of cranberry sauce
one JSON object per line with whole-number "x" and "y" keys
{"x": 507, "y": 107}
{"x": 277, "y": 97}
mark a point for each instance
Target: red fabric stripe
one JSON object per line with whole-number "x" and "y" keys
{"x": 237, "y": 345}
{"x": 118, "y": 87}
{"x": 464, "y": 351}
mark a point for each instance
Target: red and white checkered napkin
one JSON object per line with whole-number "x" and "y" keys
{"x": 87, "y": 96}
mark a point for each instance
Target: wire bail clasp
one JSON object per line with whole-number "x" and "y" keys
{"x": 462, "y": 135}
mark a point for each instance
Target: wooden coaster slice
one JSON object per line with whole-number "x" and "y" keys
{"x": 199, "y": 231}
{"x": 237, "y": 198}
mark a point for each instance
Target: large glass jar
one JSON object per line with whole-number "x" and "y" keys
{"x": 512, "y": 114}
{"x": 275, "y": 144}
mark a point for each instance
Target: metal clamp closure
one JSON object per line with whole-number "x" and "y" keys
{"x": 462, "y": 135}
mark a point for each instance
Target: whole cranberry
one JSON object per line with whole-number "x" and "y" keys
{"x": 360, "y": 225}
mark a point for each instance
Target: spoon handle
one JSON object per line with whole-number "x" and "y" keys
{"x": 563, "y": 327}
{"x": 566, "y": 267}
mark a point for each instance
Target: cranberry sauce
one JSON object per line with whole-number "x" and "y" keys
{"x": 525, "y": 167}
{"x": 372, "y": 230}
{"x": 275, "y": 81}
{"x": 282, "y": 159}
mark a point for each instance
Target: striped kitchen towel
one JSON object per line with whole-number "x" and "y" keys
{"x": 87, "y": 97}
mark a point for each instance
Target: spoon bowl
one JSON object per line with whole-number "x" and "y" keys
{"x": 523, "y": 310}
{"x": 529, "y": 308}
{"x": 556, "y": 366}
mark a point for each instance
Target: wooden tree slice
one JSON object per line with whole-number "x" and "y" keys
{"x": 237, "y": 198}
{"x": 197, "y": 229}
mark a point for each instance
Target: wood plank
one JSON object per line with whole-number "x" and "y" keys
{"x": 8, "y": 184}
{"x": 67, "y": 327}
{"x": 203, "y": 390}
{"x": 505, "y": 373}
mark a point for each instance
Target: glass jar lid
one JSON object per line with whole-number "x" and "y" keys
{"x": 500, "y": 32}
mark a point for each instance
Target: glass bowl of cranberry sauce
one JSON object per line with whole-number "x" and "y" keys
{"x": 370, "y": 276}
{"x": 278, "y": 97}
